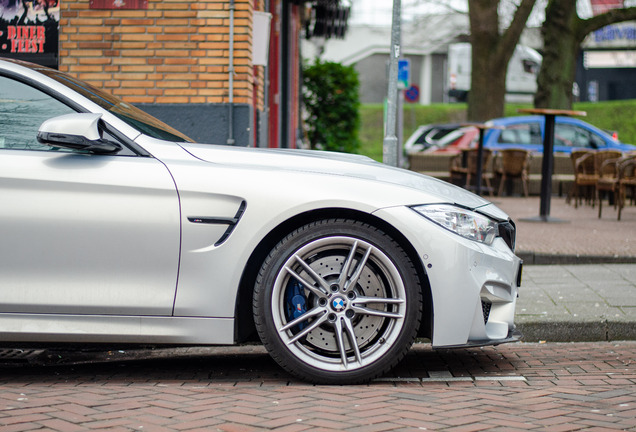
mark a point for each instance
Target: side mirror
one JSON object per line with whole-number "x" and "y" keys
{"x": 76, "y": 131}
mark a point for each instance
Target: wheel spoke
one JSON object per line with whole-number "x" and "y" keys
{"x": 340, "y": 340}
{"x": 344, "y": 274}
{"x": 306, "y": 330}
{"x": 375, "y": 312}
{"x": 377, "y": 300}
{"x": 304, "y": 317}
{"x": 316, "y": 291}
{"x": 356, "y": 275}
{"x": 315, "y": 276}
{"x": 352, "y": 340}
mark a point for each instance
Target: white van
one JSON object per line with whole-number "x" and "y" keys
{"x": 521, "y": 80}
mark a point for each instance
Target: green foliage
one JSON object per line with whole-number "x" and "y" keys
{"x": 612, "y": 115}
{"x": 332, "y": 105}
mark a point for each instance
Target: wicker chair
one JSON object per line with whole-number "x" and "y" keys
{"x": 463, "y": 169}
{"x": 586, "y": 171}
{"x": 626, "y": 180}
{"x": 607, "y": 182}
{"x": 584, "y": 177}
{"x": 457, "y": 170}
{"x": 512, "y": 164}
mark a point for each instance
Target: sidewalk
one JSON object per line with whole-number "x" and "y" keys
{"x": 586, "y": 289}
{"x": 573, "y": 303}
{"x": 581, "y": 238}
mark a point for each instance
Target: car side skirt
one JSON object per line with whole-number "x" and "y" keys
{"x": 115, "y": 329}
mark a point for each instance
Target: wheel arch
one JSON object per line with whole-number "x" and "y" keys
{"x": 244, "y": 328}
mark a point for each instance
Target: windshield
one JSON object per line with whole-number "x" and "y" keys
{"x": 143, "y": 122}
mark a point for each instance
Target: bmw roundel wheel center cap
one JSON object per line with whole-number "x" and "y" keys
{"x": 338, "y": 304}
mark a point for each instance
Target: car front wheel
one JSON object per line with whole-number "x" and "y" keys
{"x": 337, "y": 301}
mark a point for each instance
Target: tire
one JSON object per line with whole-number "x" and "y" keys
{"x": 307, "y": 312}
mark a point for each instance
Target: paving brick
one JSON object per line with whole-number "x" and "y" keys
{"x": 187, "y": 396}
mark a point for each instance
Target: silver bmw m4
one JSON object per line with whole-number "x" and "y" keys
{"x": 116, "y": 228}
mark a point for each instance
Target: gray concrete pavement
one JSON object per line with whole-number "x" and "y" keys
{"x": 571, "y": 303}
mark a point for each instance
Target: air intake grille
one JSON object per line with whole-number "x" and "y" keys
{"x": 485, "y": 308}
{"x": 508, "y": 232}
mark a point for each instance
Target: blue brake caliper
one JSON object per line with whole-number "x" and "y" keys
{"x": 296, "y": 302}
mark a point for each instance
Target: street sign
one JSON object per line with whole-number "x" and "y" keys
{"x": 404, "y": 74}
{"x": 412, "y": 94}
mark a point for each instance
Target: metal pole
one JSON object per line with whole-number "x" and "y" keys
{"x": 230, "y": 125}
{"x": 546, "y": 168}
{"x": 480, "y": 161}
{"x": 390, "y": 145}
{"x": 400, "y": 129}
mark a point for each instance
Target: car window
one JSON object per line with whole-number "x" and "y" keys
{"x": 421, "y": 139}
{"x": 22, "y": 110}
{"x": 522, "y": 133}
{"x": 575, "y": 136}
{"x": 132, "y": 115}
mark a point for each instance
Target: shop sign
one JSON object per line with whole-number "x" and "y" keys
{"x": 29, "y": 30}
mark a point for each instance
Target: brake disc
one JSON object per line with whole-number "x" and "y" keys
{"x": 366, "y": 327}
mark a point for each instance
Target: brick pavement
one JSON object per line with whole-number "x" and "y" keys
{"x": 548, "y": 387}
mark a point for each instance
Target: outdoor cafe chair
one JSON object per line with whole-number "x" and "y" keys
{"x": 584, "y": 177}
{"x": 626, "y": 180}
{"x": 586, "y": 171}
{"x": 607, "y": 182}
{"x": 463, "y": 168}
{"x": 513, "y": 164}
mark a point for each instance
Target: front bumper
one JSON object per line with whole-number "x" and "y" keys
{"x": 513, "y": 336}
{"x": 473, "y": 286}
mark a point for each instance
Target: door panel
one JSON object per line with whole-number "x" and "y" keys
{"x": 87, "y": 234}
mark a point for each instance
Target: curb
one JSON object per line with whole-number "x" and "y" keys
{"x": 537, "y": 258}
{"x": 563, "y": 331}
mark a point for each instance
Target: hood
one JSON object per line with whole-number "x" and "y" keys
{"x": 339, "y": 164}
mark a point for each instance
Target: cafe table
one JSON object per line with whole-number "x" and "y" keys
{"x": 548, "y": 159}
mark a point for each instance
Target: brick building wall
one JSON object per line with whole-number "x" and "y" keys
{"x": 171, "y": 59}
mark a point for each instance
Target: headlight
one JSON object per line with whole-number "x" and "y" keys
{"x": 466, "y": 223}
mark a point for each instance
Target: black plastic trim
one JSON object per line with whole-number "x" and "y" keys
{"x": 213, "y": 220}
{"x": 513, "y": 336}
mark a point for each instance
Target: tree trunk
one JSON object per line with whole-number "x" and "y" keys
{"x": 563, "y": 32}
{"x": 491, "y": 52}
{"x": 488, "y": 87}
{"x": 561, "y": 48}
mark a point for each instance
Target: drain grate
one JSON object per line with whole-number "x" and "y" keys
{"x": 15, "y": 355}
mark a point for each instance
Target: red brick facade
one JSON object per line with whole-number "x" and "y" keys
{"x": 172, "y": 58}
{"x": 174, "y": 52}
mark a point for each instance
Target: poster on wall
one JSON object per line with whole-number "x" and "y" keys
{"x": 603, "y": 6}
{"x": 118, "y": 4}
{"x": 29, "y": 30}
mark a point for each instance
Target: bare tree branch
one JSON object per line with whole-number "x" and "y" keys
{"x": 511, "y": 36}
{"x": 589, "y": 25}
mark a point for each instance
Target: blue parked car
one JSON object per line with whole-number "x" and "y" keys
{"x": 570, "y": 133}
